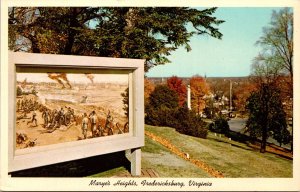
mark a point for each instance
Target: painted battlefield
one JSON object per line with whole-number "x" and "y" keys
{"x": 54, "y": 108}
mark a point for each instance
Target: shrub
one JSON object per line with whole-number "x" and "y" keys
{"x": 160, "y": 116}
{"x": 162, "y": 103}
{"x": 187, "y": 122}
{"x": 220, "y": 125}
{"x": 163, "y": 110}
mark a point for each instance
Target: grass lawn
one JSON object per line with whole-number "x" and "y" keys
{"x": 232, "y": 158}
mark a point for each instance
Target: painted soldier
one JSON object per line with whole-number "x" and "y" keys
{"x": 54, "y": 119}
{"x": 45, "y": 115}
{"x": 53, "y": 115}
{"x": 61, "y": 114}
{"x": 93, "y": 119}
{"x": 18, "y": 105}
{"x": 36, "y": 105}
{"x": 109, "y": 120}
{"x": 22, "y": 104}
{"x": 68, "y": 115}
{"x": 84, "y": 125}
{"x": 26, "y": 104}
{"x": 34, "y": 118}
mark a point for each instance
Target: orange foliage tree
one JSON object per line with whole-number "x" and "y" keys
{"x": 148, "y": 89}
{"x": 176, "y": 84}
{"x": 199, "y": 88}
{"x": 241, "y": 94}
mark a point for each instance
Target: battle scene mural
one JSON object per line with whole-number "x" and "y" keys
{"x": 60, "y": 107}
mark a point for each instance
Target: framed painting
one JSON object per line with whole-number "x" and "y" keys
{"x": 70, "y": 107}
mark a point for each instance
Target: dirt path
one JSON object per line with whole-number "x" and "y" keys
{"x": 185, "y": 156}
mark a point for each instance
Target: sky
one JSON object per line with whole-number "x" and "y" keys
{"x": 230, "y": 57}
{"x": 74, "y": 78}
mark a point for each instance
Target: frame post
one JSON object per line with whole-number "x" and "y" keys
{"x": 136, "y": 162}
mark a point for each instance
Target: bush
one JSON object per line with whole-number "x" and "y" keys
{"x": 163, "y": 110}
{"x": 161, "y": 116}
{"x": 162, "y": 103}
{"x": 220, "y": 125}
{"x": 187, "y": 122}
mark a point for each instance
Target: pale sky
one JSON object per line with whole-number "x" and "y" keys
{"x": 74, "y": 78}
{"x": 231, "y": 56}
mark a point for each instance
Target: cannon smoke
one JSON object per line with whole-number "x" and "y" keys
{"x": 90, "y": 77}
{"x": 61, "y": 78}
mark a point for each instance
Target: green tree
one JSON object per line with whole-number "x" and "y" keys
{"x": 266, "y": 114}
{"x": 220, "y": 125}
{"x": 150, "y": 33}
{"x": 162, "y": 103}
{"x": 188, "y": 122}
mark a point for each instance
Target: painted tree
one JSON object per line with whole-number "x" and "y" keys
{"x": 125, "y": 100}
{"x": 127, "y": 32}
{"x": 199, "y": 88}
{"x": 266, "y": 115}
{"x": 176, "y": 84}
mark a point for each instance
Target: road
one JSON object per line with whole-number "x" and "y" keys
{"x": 237, "y": 124}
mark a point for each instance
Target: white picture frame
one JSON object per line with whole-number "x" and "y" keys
{"x": 66, "y": 151}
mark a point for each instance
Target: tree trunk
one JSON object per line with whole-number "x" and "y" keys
{"x": 265, "y": 111}
{"x": 69, "y": 44}
{"x": 34, "y": 45}
{"x": 73, "y": 23}
{"x": 263, "y": 140}
{"x": 71, "y": 37}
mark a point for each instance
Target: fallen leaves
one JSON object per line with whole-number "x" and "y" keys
{"x": 183, "y": 155}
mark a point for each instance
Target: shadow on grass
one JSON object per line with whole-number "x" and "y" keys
{"x": 238, "y": 137}
{"x": 78, "y": 168}
{"x": 254, "y": 145}
{"x": 232, "y": 144}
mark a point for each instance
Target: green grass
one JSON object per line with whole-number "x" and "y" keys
{"x": 232, "y": 158}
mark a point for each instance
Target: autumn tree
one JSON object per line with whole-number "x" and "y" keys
{"x": 176, "y": 84}
{"x": 219, "y": 87}
{"x": 199, "y": 88}
{"x": 148, "y": 89}
{"x": 242, "y": 93}
{"x": 127, "y": 32}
